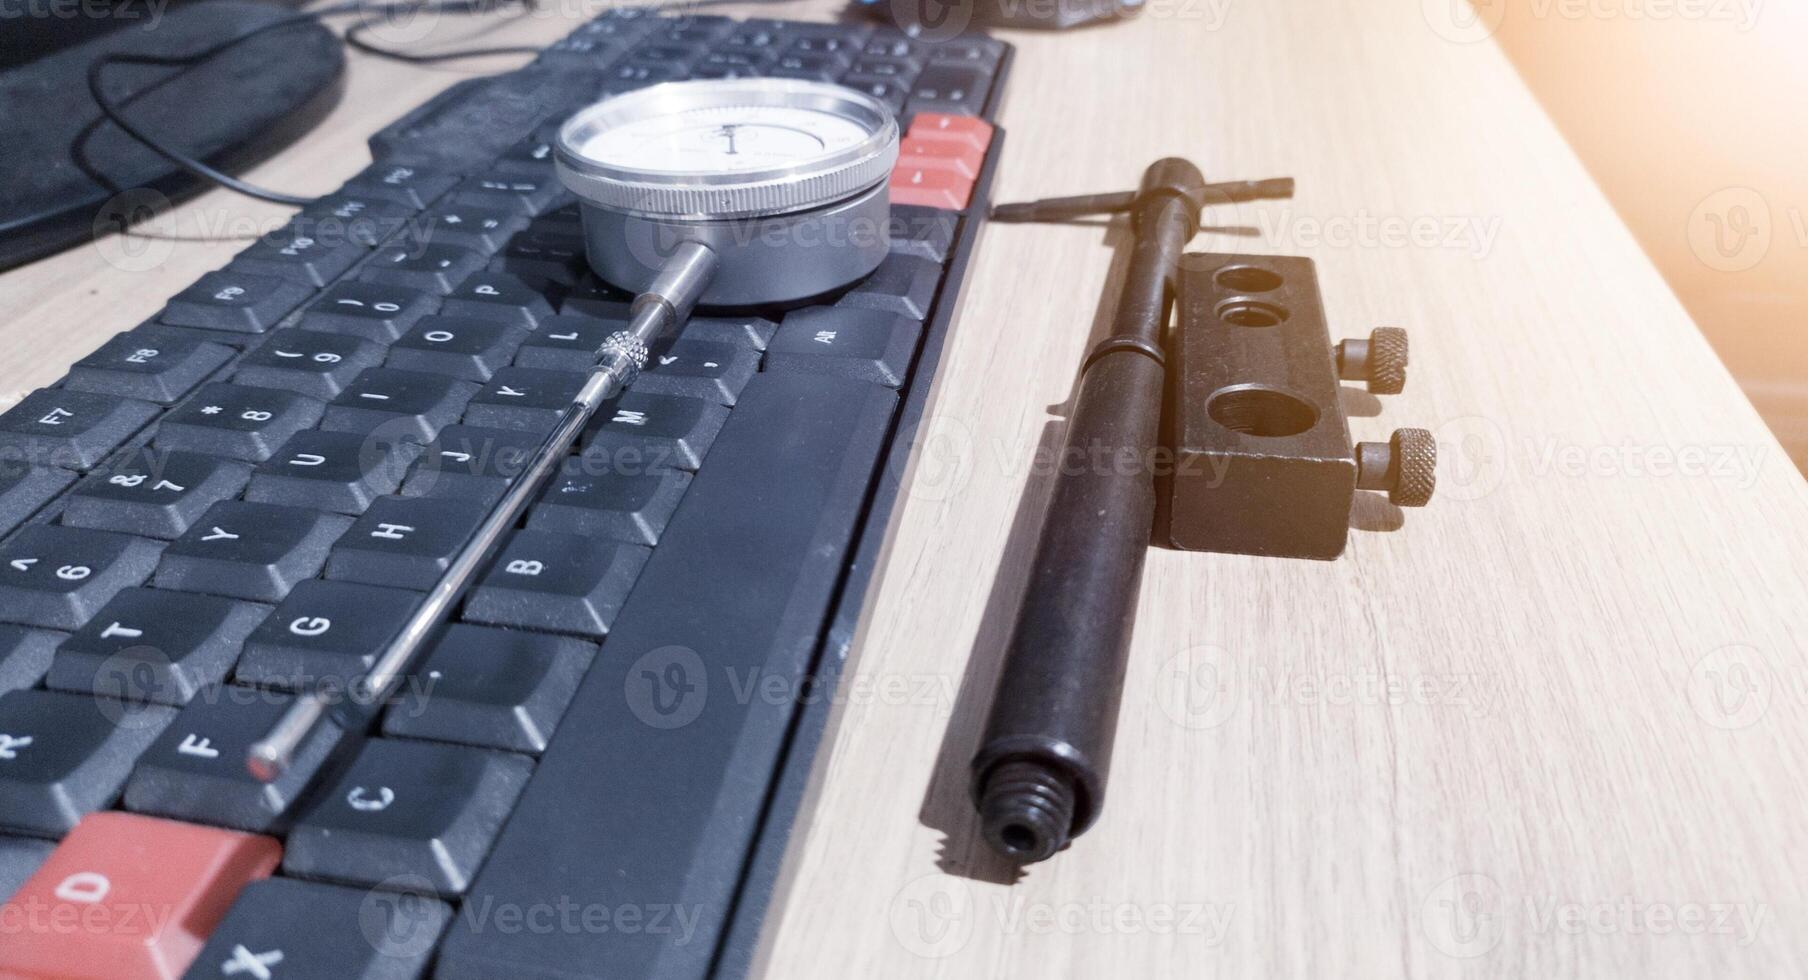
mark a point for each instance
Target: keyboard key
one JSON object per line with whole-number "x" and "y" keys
{"x": 955, "y": 158}
{"x": 966, "y": 130}
{"x": 57, "y": 577}
{"x": 527, "y": 399}
{"x": 902, "y": 284}
{"x": 24, "y": 490}
{"x": 900, "y": 70}
{"x": 499, "y": 297}
{"x": 128, "y": 367}
{"x": 158, "y": 885}
{"x": 148, "y": 645}
{"x": 409, "y": 812}
{"x": 634, "y": 508}
{"x": 980, "y": 52}
{"x": 592, "y": 297}
{"x": 433, "y": 268}
{"x": 374, "y": 311}
{"x": 714, "y": 372}
{"x": 800, "y": 452}
{"x": 541, "y": 262}
{"x": 531, "y": 156}
{"x": 349, "y": 216}
{"x": 525, "y": 194}
{"x": 829, "y": 44}
{"x": 466, "y": 347}
{"x": 236, "y": 301}
{"x": 407, "y": 542}
{"x": 308, "y": 362}
{"x": 575, "y": 51}
{"x": 411, "y": 186}
{"x": 640, "y": 433}
{"x": 930, "y": 188}
{"x": 926, "y": 233}
{"x": 499, "y": 689}
{"x": 24, "y": 658}
{"x": 562, "y": 225}
{"x": 565, "y": 343}
{"x": 20, "y": 858}
{"x": 885, "y": 90}
{"x": 471, "y": 461}
{"x": 853, "y": 343}
{"x": 341, "y": 472}
{"x": 154, "y": 493}
{"x": 541, "y": 582}
{"x": 808, "y": 66}
{"x": 398, "y": 404}
{"x": 250, "y": 551}
{"x": 325, "y": 635}
{"x": 750, "y": 35}
{"x": 237, "y": 421}
{"x": 890, "y": 44}
{"x": 68, "y": 429}
{"x": 308, "y": 930}
{"x": 690, "y": 30}
{"x": 65, "y": 755}
{"x": 298, "y": 257}
{"x": 479, "y": 229}
{"x": 950, "y": 87}
{"x": 196, "y": 771}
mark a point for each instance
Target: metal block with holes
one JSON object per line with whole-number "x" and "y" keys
{"x": 1262, "y": 458}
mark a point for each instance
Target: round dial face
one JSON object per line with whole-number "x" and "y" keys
{"x": 727, "y": 148}
{"x": 724, "y": 139}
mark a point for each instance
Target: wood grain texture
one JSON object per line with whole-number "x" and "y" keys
{"x": 1493, "y": 742}
{"x": 1549, "y": 726}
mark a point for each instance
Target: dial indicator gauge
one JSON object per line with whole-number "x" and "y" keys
{"x": 727, "y": 148}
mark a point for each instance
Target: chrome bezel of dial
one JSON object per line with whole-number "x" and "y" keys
{"x": 704, "y": 194}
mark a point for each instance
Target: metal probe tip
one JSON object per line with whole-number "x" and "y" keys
{"x": 269, "y": 757}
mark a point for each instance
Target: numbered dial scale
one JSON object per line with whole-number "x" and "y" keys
{"x": 784, "y": 180}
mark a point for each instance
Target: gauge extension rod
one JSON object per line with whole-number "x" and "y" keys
{"x": 665, "y": 304}
{"x": 1039, "y": 775}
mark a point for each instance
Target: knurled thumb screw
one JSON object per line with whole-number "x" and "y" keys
{"x": 1380, "y": 360}
{"x": 1405, "y": 466}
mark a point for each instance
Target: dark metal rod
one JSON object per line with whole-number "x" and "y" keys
{"x": 1039, "y": 776}
{"x": 658, "y": 310}
{"x": 1080, "y": 206}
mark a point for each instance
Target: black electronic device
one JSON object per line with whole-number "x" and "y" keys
{"x": 67, "y": 174}
{"x": 240, "y": 500}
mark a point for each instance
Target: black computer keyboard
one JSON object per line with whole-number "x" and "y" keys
{"x": 596, "y": 770}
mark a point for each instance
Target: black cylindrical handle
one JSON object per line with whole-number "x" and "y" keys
{"x": 1039, "y": 776}
{"x": 1063, "y": 674}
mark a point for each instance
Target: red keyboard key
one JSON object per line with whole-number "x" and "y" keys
{"x": 968, "y": 131}
{"x": 126, "y": 897}
{"x": 929, "y": 188}
{"x": 948, "y": 155}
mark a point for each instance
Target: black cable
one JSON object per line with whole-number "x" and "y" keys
{"x": 183, "y": 160}
{"x": 371, "y": 13}
{"x": 201, "y": 169}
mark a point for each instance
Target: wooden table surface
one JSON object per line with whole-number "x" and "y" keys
{"x": 1550, "y": 726}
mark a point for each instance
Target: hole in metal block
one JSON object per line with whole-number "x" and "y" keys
{"x": 1248, "y": 279}
{"x": 1260, "y": 411}
{"x": 1250, "y": 313}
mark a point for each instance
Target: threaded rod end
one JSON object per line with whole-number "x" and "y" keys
{"x": 1026, "y": 810}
